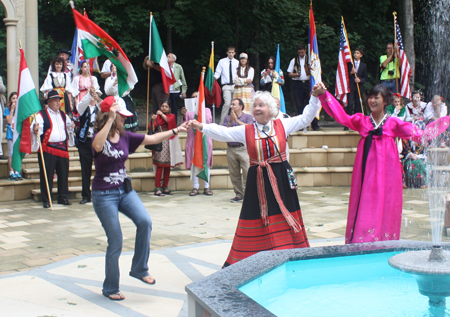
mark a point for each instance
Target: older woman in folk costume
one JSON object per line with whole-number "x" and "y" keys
{"x": 59, "y": 81}
{"x": 170, "y": 156}
{"x": 112, "y": 89}
{"x": 243, "y": 87}
{"x": 375, "y": 207}
{"x": 270, "y": 217}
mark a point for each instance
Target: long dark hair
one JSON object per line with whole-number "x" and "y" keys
{"x": 81, "y": 65}
{"x": 9, "y": 99}
{"x": 247, "y": 67}
{"x": 270, "y": 58}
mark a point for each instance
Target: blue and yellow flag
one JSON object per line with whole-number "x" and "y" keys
{"x": 277, "y": 91}
{"x": 315, "y": 67}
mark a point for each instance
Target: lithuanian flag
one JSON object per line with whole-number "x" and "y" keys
{"x": 213, "y": 92}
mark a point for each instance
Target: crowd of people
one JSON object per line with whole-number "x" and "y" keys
{"x": 256, "y": 133}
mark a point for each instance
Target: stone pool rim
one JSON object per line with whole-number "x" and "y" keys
{"x": 219, "y": 293}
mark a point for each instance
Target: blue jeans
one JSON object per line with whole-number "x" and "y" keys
{"x": 107, "y": 204}
{"x": 391, "y": 85}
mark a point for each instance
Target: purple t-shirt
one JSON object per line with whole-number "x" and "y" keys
{"x": 110, "y": 169}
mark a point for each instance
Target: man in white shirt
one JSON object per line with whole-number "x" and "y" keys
{"x": 106, "y": 69}
{"x": 52, "y": 126}
{"x": 435, "y": 109}
{"x": 298, "y": 71}
{"x": 226, "y": 70}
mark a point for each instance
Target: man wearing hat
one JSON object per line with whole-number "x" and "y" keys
{"x": 65, "y": 53}
{"x": 54, "y": 128}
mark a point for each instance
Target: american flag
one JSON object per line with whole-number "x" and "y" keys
{"x": 342, "y": 81}
{"x": 405, "y": 68}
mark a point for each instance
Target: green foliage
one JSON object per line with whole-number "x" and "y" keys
{"x": 253, "y": 26}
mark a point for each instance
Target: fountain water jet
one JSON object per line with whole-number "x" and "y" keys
{"x": 431, "y": 269}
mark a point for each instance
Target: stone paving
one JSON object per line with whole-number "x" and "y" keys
{"x": 52, "y": 262}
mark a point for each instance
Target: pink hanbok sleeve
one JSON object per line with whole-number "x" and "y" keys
{"x": 335, "y": 110}
{"x": 408, "y": 130}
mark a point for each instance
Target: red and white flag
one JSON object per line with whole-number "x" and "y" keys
{"x": 342, "y": 76}
{"x": 405, "y": 68}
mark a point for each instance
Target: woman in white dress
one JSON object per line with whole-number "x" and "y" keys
{"x": 243, "y": 83}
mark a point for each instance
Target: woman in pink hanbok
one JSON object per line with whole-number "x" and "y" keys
{"x": 376, "y": 197}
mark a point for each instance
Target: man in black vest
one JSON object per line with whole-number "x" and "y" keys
{"x": 358, "y": 75}
{"x": 87, "y": 108}
{"x": 51, "y": 125}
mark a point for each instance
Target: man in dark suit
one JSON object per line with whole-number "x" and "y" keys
{"x": 358, "y": 75}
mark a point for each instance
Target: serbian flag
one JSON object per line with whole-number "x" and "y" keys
{"x": 200, "y": 159}
{"x": 77, "y": 56}
{"x": 277, "y": 91}
{"x": 27, "y": 104}
{"x": 315, "y": 67}
{"x": 157, "y": 54}
{"x": 96, "y": 42}
{"x": 213, "y": 93}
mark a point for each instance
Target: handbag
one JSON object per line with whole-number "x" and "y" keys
{"x": 154, "y": 147}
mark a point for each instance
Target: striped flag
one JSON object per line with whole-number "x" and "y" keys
{"x": 157, "y": 54}
{"x": 315, "y": 66}
{"x": 27, "y": 104}
{"x": 213, "y": 93}
{"x": 342, "y": 76}
{"x": 200, "y": 159}
{"x": 77, "y": 56}
{"x": 405, "y": 68}
{"x": 95, "y": 42}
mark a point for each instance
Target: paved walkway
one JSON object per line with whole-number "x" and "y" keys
{"x": 52, "y": 262}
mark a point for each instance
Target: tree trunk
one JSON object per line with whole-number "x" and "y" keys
{"x": 406, "y": 20}
{"x": 169, "y": 30}
{"x": 237, "y": 28}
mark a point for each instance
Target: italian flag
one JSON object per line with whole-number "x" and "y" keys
{"x": 200, "y": 159}
{"x": 157, "y": 54}
{"x": 97, "y": 42}
{"x": 27, "y": 104}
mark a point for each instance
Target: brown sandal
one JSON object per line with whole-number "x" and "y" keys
{"x": 194, "y": 192}
{"x": 207, "y": 192}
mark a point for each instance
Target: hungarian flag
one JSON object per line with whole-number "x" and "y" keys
{"x": 77, "y": 56}
{"x": 157, "y": 54}
{"x": 213, "y": 92}
{"x": 96, "y": 42}
{"x": 27, "y": 104}
{"x": 200, "y": 159}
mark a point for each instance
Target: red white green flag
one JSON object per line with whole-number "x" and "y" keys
{"x": 157, "y": 54}
{"x": 27, "y": 104}
{"x": 200, "y": 159}
{"x": 97, "y": 42}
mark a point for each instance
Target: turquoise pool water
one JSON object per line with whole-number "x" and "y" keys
{"x": 358, "y": 285}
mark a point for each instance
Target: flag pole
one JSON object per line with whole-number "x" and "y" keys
{"x": 43, "y": 167}
{"x": 213, "y": 105}
{"x": 148, "y": 82}
{"x": 395, "y": 52}
{"x": 353, "y": 65}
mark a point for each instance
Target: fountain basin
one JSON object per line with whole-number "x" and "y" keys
{"x": 431, "y": 270}
{"x": 219, "y": 294}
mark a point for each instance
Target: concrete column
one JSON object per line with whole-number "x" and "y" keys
{"x": 12, "y": 45}
{"x": 32, "y": 39}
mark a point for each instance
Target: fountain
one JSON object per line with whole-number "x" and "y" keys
{"x": 431, "y": 269}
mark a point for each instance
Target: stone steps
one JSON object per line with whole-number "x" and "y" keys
{"x": 180, "y": 180}
{"x": 314, "y": 165}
